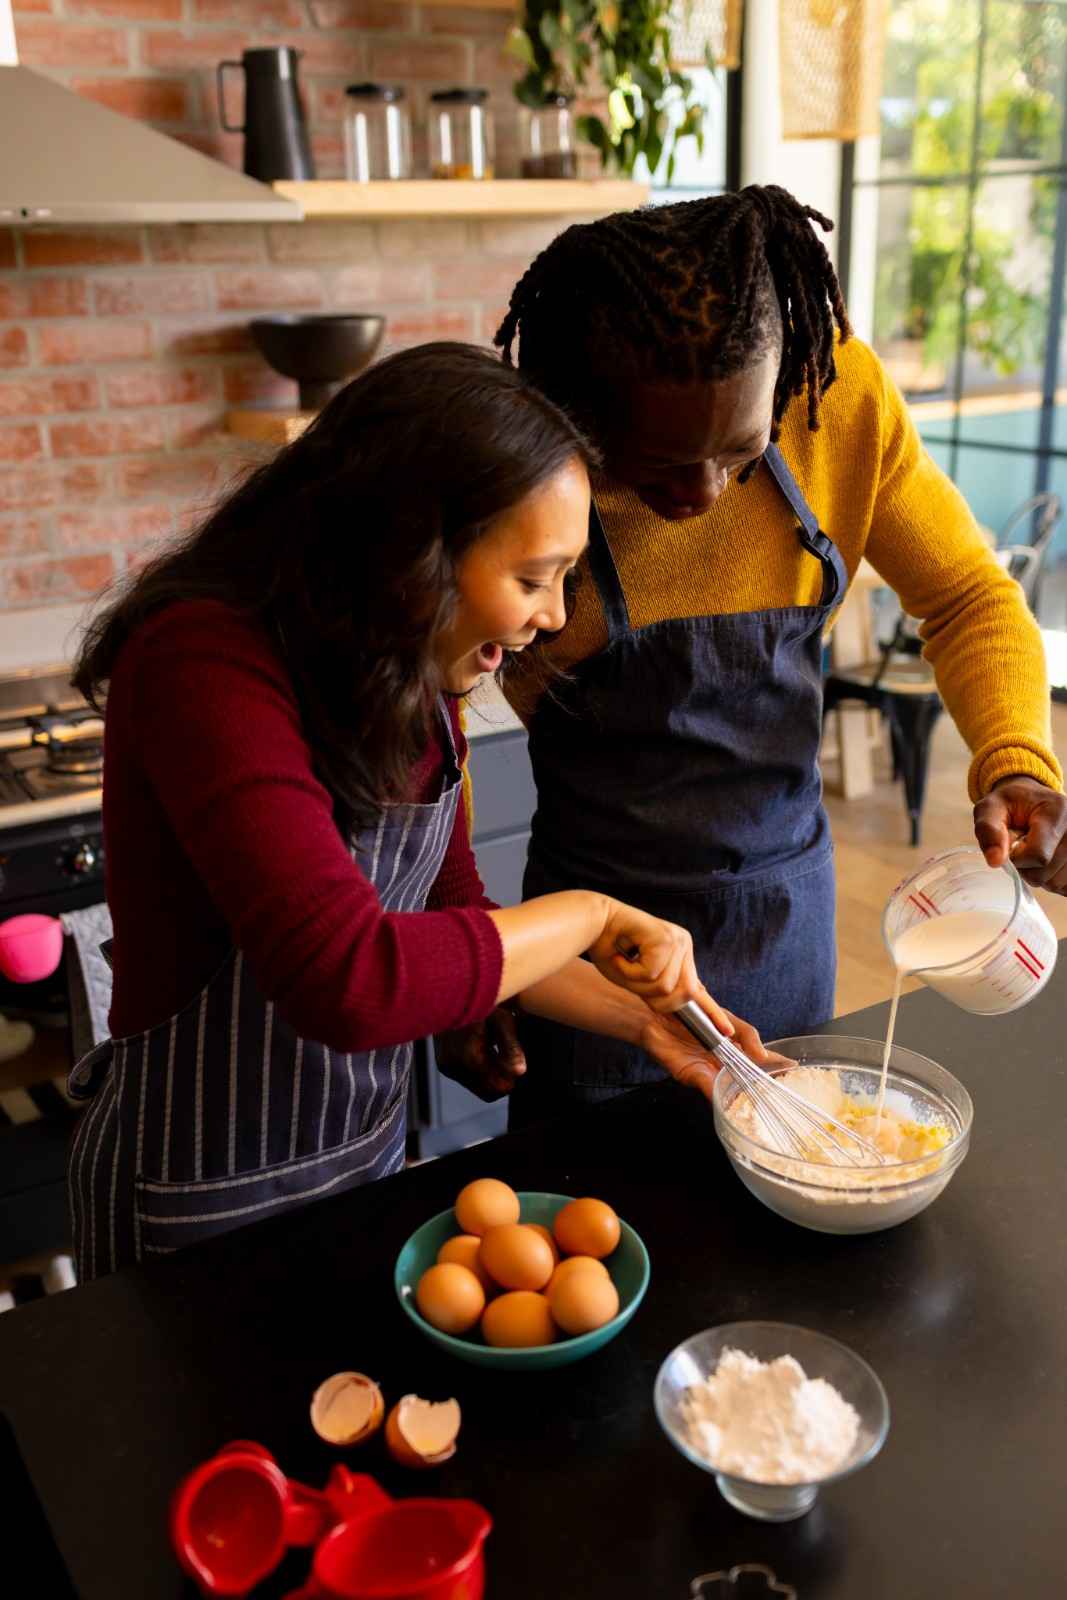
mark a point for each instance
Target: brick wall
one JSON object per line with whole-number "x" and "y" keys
{"x": 121, "y": 348}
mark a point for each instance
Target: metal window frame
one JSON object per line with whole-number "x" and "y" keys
{"x": 1044, "y": 452}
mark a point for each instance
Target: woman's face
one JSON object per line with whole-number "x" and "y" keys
{"x": 679, "y": 445}
{"x": 510, "y": 581}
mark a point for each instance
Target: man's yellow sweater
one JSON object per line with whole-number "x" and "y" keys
{"x": 876, "y": 493}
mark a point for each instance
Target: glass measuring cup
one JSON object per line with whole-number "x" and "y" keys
{"x": 1014, "y": 943}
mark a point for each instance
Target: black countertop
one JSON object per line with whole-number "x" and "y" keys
{"x": 115, "y": 1390}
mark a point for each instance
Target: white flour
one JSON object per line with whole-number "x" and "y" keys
{"x": 767, "y": 1422}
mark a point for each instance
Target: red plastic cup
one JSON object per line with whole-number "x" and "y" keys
{"x": 405, "y": 1550}
{"x": 30, "y": 947}
{"x": 233, "y": 1517}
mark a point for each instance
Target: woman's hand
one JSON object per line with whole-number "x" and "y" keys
{"x": 1025, "y": 822}
{"x": 654, "y": 960}
{"x": 674, "y": 1047}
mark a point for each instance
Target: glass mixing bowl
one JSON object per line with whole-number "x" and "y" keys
{"x": 850, "y": 1199}
{"x": 821, "y": 1357}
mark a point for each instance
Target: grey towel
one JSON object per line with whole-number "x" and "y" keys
{"x": 88, "y": 975}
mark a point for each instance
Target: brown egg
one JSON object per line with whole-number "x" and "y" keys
{"x": 583, "y": 1301}
{"x": 518, "y": 1321}
{"x": 587, "y": 1228}
{"x": 516, "y": 1257}
{"x": 485, "y": 1204}
{"x": 539, "y": 1227}
{"x": 450, "y": 1297}
{"x": 575, "y": 1264}
{"x": 463, "y": 1249}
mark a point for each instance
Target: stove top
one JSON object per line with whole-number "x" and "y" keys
{"x": 51, "y": 749}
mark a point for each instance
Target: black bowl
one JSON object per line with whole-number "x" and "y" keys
{"x": 320, "y": 351}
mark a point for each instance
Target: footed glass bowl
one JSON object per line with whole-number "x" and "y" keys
{"x": 821, "y": 1357}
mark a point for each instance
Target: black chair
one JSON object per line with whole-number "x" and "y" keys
{"x": 900, "y": 686}
{"x": 1024, "y": 559}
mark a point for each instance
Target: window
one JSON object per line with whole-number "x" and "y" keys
{"x": 958, "y": 241}
{"x": 718, "y": 166}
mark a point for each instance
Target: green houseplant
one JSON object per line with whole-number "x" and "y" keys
{"x": 617, "y": 48}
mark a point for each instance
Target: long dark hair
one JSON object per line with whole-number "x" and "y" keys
{"x": 345, "y": 545}
{"x": 678, "y": 293}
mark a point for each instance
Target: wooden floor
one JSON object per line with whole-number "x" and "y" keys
{"x": 873, "y": 855}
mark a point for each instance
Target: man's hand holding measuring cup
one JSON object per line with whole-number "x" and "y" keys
{"x": 1025, "y": 822}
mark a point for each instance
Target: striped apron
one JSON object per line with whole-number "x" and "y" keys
{"x": 223, "y": 1114}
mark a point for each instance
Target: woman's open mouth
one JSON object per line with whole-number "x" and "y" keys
{"x": 491, "y": 655}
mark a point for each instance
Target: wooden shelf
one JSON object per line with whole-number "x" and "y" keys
{"x": 263, "y": 425}
{"x": 329, "y": 199}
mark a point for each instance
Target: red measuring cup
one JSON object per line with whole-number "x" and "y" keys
{"x": 389, "y": 1549}
{"x": 233, "y": 1517}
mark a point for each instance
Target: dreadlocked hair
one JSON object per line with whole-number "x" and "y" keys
{"x": 680, "y": 293}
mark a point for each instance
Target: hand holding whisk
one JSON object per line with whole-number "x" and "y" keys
{"x": 797, "y": 1127}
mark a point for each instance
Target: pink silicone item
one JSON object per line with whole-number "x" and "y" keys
{"x": 30, "y": 947}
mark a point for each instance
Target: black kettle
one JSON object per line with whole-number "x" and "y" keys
{"x": 275, "y": 128}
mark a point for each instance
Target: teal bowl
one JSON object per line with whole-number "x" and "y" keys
{"x": 627, "y": 1264}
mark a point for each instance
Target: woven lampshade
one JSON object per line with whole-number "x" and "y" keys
{"x": 696, "y": 23}
{"x": 832, "y": 52}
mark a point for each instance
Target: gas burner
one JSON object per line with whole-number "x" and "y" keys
{"x": 75, "y": 758}
{"x": 45, "y": 783}
{"x": 71, "y": 749}
{"x": 51, "y": 750}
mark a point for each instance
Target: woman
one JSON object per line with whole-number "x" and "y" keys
{"x": 289, "y": 870}
{"x": 753, "y": 452}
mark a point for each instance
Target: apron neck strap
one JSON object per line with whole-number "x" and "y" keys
{"x": 834, "y": 571}
{"x": 606, "y": 573}
{"x": 606, "y": 577}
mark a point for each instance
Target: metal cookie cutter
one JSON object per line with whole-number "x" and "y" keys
{"x": 750, "y": 1581}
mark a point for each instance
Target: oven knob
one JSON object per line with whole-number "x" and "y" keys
{"x": 82, "y": 860}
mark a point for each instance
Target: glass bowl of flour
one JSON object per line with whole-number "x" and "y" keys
{"x": 774, "y": 1411}
{"x": 924, "y": 1133}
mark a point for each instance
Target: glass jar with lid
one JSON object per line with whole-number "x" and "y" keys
{"x": 461, "y": 134}
{"x": 377, "y": 132}
{"x": 549, "y": 148}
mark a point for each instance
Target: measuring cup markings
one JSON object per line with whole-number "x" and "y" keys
{"x": 1014, "y": 946}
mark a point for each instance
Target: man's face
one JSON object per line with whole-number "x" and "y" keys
{"x": 679, "y": 444}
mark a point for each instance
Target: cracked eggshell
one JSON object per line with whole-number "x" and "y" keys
{"x": 422, "y": 1433}
{"x": 347, "y": 1408}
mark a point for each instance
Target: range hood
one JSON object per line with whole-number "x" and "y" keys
{"x": 65, "y": 159}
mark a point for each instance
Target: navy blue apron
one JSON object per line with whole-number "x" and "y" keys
{"x": 223, "y": 1114}
{"x": 678, "y": 770}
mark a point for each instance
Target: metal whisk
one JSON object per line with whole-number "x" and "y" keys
{"x": 799, "y": 1128}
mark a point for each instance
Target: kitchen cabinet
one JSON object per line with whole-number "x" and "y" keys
{"x": 443, "y": 1116}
